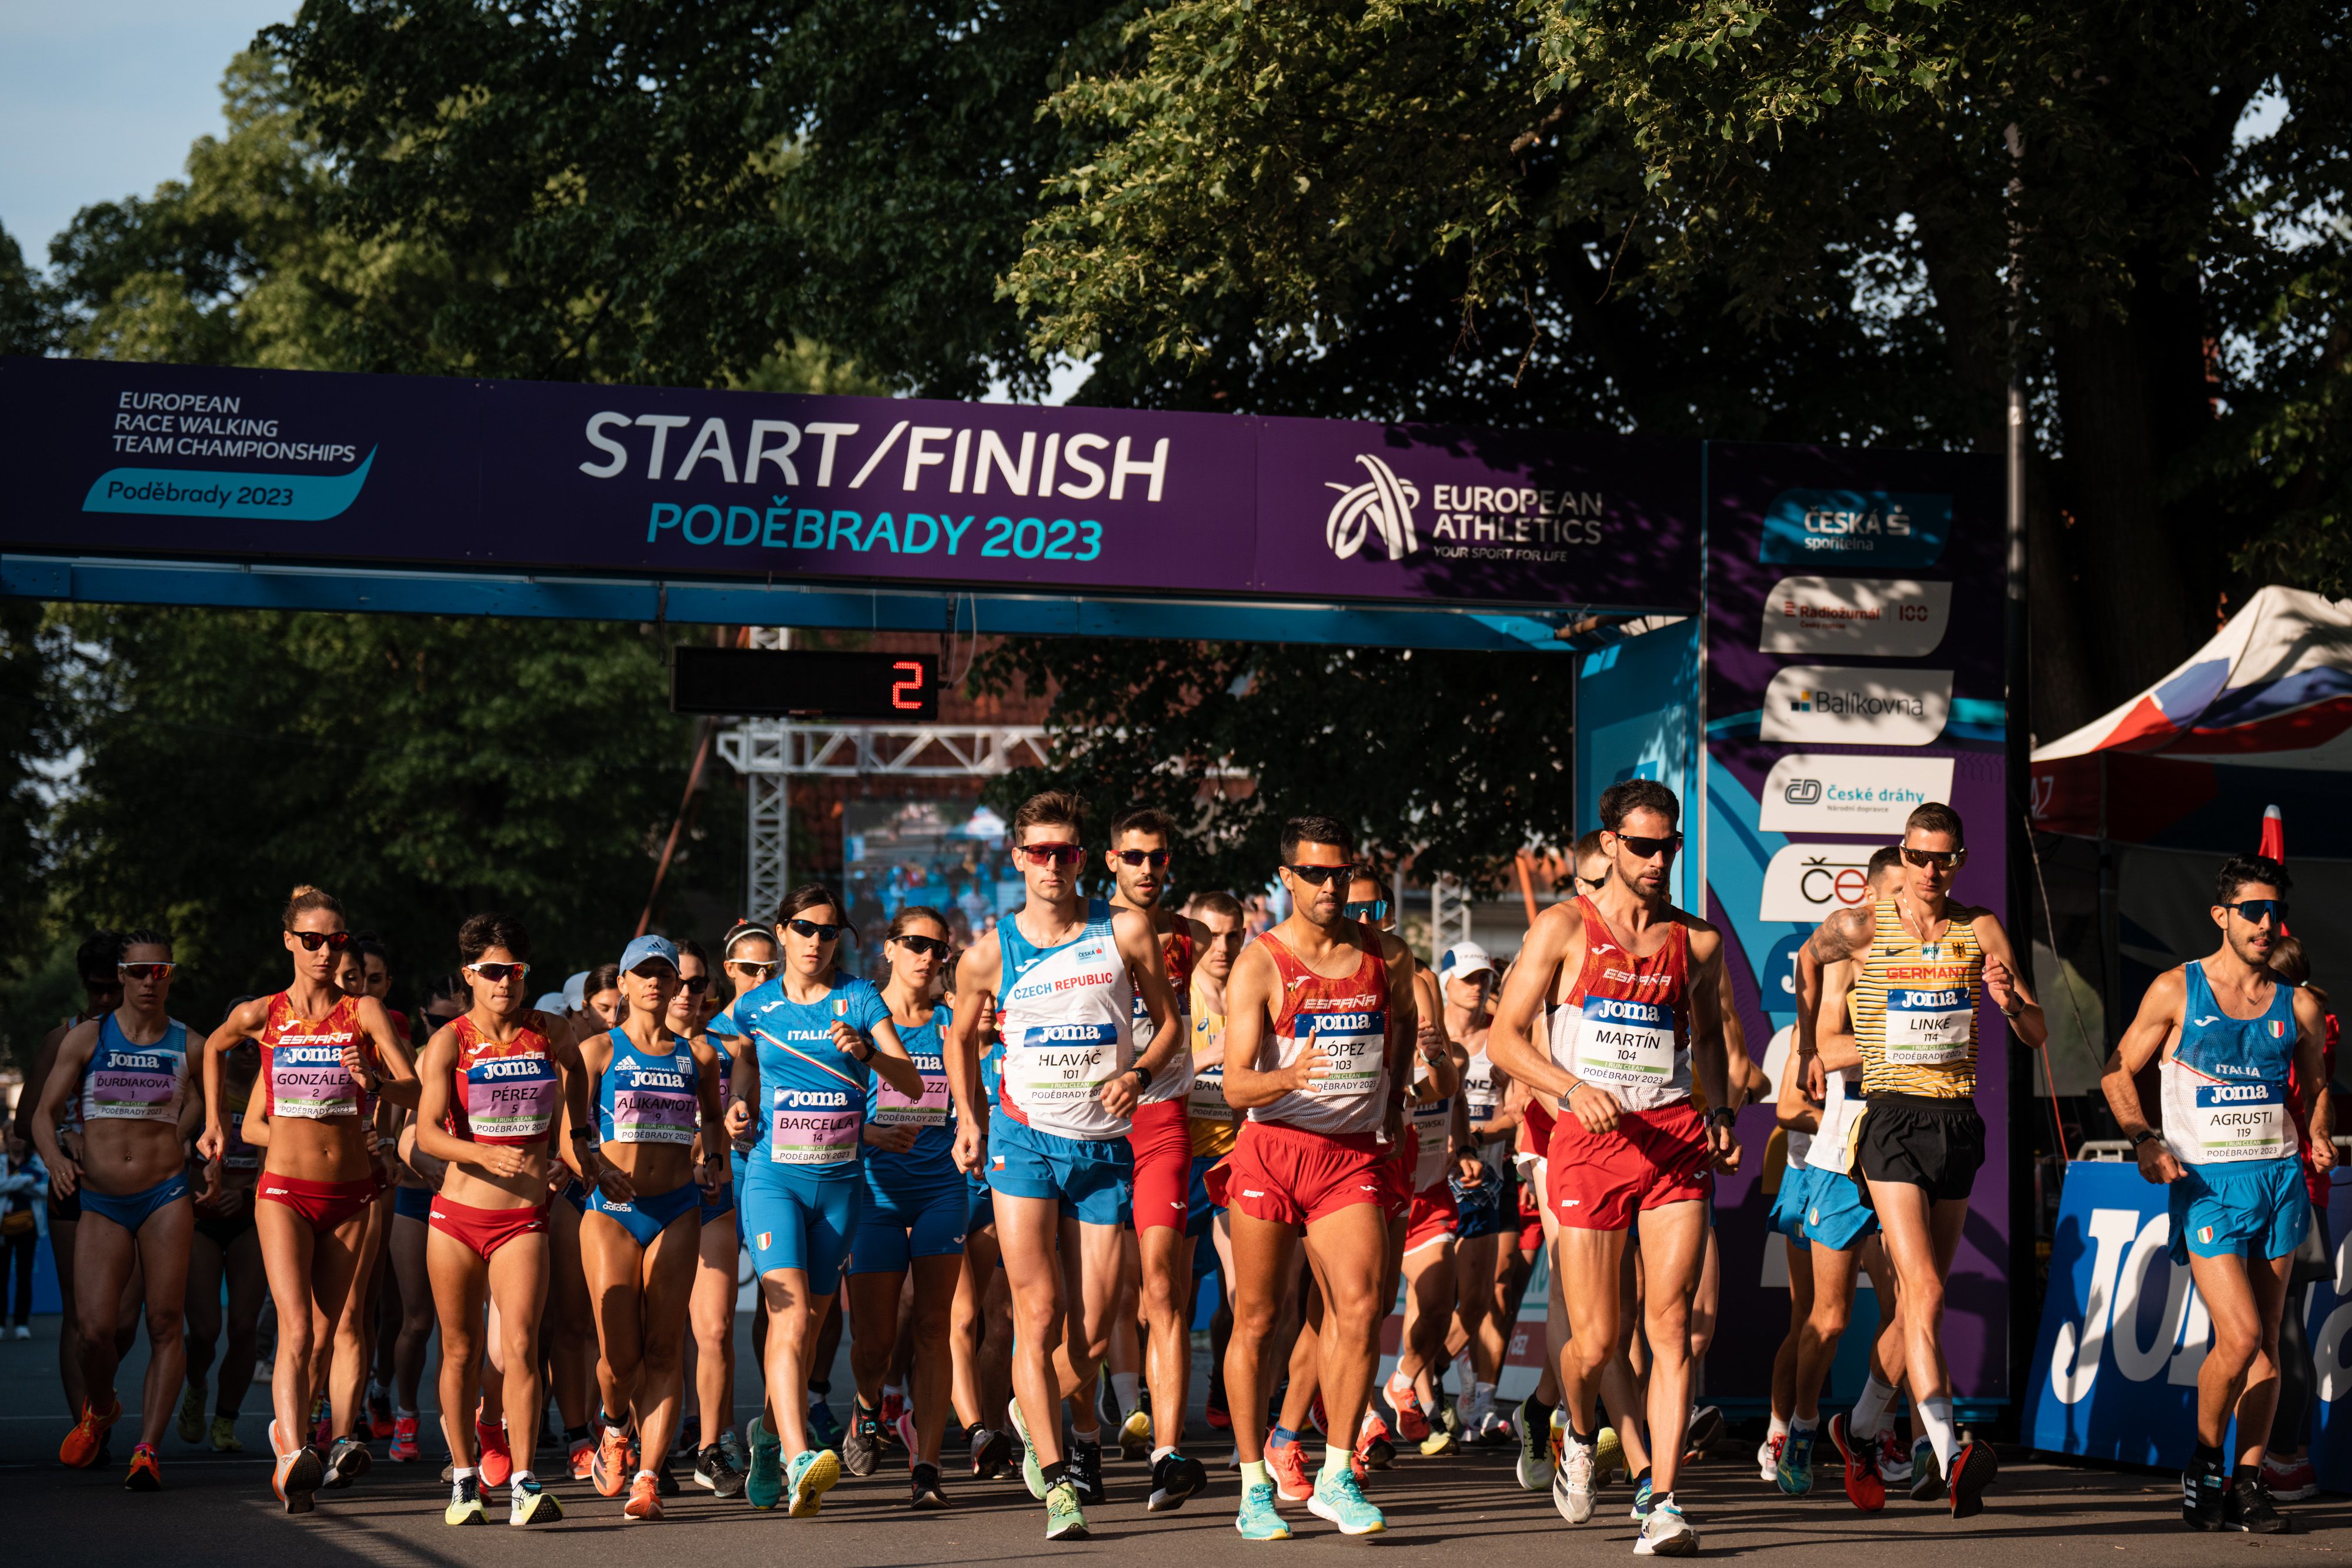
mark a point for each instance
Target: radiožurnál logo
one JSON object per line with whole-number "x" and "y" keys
{"x": 1381, "y": 505}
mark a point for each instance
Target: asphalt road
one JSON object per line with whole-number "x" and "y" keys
{"x": 218, "y": 1510}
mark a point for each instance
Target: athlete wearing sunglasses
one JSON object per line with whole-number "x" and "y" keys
{"x": 1061, "y": 974}
{"x": 1924, "y": 963}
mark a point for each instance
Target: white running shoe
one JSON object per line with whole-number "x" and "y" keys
{"x": 1768, "y": 1456}
{"x": 1665, "y": 1533}
{"x": 1571, "y": 1484}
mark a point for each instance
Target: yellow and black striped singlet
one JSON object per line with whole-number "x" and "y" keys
{"x": 1914, "y": 1006}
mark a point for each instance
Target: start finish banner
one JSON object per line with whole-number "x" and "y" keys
{"x": 107, "y": 457}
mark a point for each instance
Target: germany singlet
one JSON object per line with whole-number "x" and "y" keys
{"x": 2225, "y": 1083}
{"x": 1065, "y": 1017}
{"x": 302, "y": 1074}
{"x": 1625, "y": 1024}
{"x": 1208, "y": 1119}
{"x": 1350, "y": 1021}
{"x": 1174, "y": 1081}
{"x": 1915, "y": 1007}
{"x": 504, "y": 1092}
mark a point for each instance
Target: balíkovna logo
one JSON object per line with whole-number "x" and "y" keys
{"x": 1381, "y": 505}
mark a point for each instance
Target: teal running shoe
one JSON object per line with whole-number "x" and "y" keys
{"x": 1338, "y": 1498}
{"x": 1641, "y": 1499}
{"x": 1794, "y": 1473}
{"x": 813, "y": 1473}
{"x": 1259, "y": 1520}
{"x": 764, "y": 1487}
{"x": 1065, "y": 1521}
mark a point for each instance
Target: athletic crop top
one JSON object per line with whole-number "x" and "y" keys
{"x": 1175, "y": 1080}
{"x": 648, "y": 1096}
{"x": 1349, "y": 1020}
{"x": 2224, "y": 1081}
{"x": 302, "y": 1076}
{"x": 932, "y": 1160}
{"x": 505, "y": 1093}
{"x": 1065, "y": 1015}
{"x": 816, "y": 1095}
{"x": 1625, "y": 1026}
{"x": 1915, "y": 1007}
{"x": 126, "y": 1082}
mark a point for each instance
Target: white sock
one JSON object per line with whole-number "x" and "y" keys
{"x": 1336, "y": 1459}
{"x": 1799, "y": 1424}
{"x": 461, "y": 1473}
{"x": 1779, "y": 1429}
{"x": 520, "y": 1477}
{"x": 1160, "y": 1454}
{"x": 1123, "y": 1388}
{"x": 643, "y": 1474}
{"x": 1869, "y": 1416}
{"x": 1936, "y": 1419}
{"x": 1483, "y": 1393}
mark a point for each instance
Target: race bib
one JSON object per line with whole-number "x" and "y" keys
{"x": 236, "y": 1154}
{"x": 801, "y": 1133}
{"x": 308, "y": 1083}
{"x": 653, "y": 1113}
{"x": 1059, "y": 1066}
{"x": 2240, "y": 1122}
{"x": 514, "y": 1098}
{"x": 1353, "y": 1048}
{"x": 1207, "y": 1100}
{"x": 1624, "y": 1044}
{"x": 892, "y": 1109}
{"x": 1434, "y": 1124}
{"x": 133, "y": 1085}
{"x": 1928, "y": 1026}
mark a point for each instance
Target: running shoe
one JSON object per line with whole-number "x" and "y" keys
{"x": 1608, "y": 1455}
{"x": 2204, "y": 1494}
{"x": 147, "y": 1475}
{"x": 812, "y": 1474}
{"x": 1767, "y": 1455}
{"x": 1666, "y": 1533}
{"x": 2250, "y": 1507}
{"x": 1535, "y": 1447}
{"x": 1477, "y": 1412}
{"x": 465, "y": 1503}
{"x": 380, "y": 1417}
{"x": 1287, "y": 1465}
{"x": 1032, "y": 1469}
{"x": 81, "y": 1449}
{"x": 1135, "y": 1435}
{"x": 904, "y": 1430}
{"x": 1644, "y": 1491}
{"x": 1863, "y": 1487}
{"x": 823, "y": 1425}
{"x": 645, "y": 1499}
{"x": 686, "y": 1441}
{"x": 1175, "y": 1478}
{"x": 583, "y": 1457}
{"x": 1065, "y": 1521}
{"x": 893, "y": 1407}
{"x": 1085, "y": 1472}
{"x": 1973, "y": 1469}
{"x": 665, "y": 1480}
{"x": 861, "y": 1449}
{"x": 498, "y": 1460}
{"x": 404, "y": 1450}
{"x": 2290, "y": 1481}
{"x": 1894, "y": 1464}
{"x": 347, "y": 1462}
{"x": 222, "y": 1436}
{"x": 714, "y": 1473}
{"x": 1571, "y": 1484}
{"x": 1373, "y": 1450}
{"x": 1259, "y": 1520}
{"x": 927, "y": 1495}
{"x": 296, "y": 1475}
{"x": 1339, "y": 1498}
{"x": 192, "y": 1415}
{"x": 1795, "y": 1472}
{"x": 763, "y": 1478}
{"x": 1706, "y": 1425}
{"x": 613, "y": 1462}
{"x": 1439, "y": 1441}
{"x": 530, "y": 1503}
{"x": 1927, "y": 1475}
{"x": 990, "y": 1450}
{"x": 1404, "y": 1403}
{"x": 1219, "y": 1417}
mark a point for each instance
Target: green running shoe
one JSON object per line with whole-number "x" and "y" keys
{"x": 191, "y": 1413}
{"x": 1259, "y": 1520}
{"x": 813, "y": 1473}
{"x": 1339, "y": 1498}
{"x": 1064, "y": 1518}
{"x": 465, "y": 1503}
{"x": 765, "y": 1486}
{"x": 1031, "y": 1471}
{"x": 1794, "y": 1473}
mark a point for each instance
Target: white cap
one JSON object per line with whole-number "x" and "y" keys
{"x": 575, "y": 992}
{"x": 1463, "y": 960}
{"x": 553, "y": 1002}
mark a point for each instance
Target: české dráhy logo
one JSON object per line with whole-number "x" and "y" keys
{"x": 1381, "y": 505}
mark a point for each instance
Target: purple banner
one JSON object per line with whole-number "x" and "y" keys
{"x": 525, "y": 476}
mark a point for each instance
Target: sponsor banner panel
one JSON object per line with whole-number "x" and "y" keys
{"x": 1848, "y": 792}
{"x": 1894, "y": 618}
{"x": 1829, "y": 703}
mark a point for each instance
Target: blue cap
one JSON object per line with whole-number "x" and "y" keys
{"x": 645, "y": 947}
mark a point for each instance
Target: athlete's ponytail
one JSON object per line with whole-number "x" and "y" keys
{"x": 306, "y": 898}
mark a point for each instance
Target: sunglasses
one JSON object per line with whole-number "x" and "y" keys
{"x": 1367, "y": 909}
{"x": 1644, "y": 848}
{"x": 1594, "y": 882}
{"x": 696, "y": 985}
{"x": 145, "y": 971}
{"x": 497, "y": 973}
{"x": 929, "y": 946}
{"x": 760, "y": 970}
{"x": 313, "y": 940}
{"x": 1323, "y": 875}
{"x": 1051, "y": 854}
{"x": 811, "y": 928}
{"x": 1940, "y": 860}
{"x": 2254, "y": 911}
{"x": 1152, "y": 858}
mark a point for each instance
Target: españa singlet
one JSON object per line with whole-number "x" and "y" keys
{"x": 2225, "y": 1080}
{"x": 126, "y": 1082}
{"x": 1915, "y": 1007}
{"x": 504, "y": 1093}
{"x": 1350, "y": 1021}
{"x": 302, "y": 1076}
{"x": 1625, "y": 1024}
{"x": 1066, "y": 1018}
{"x": 1175, "y": 1080}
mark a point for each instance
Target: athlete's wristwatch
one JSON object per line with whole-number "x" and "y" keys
{"x": 1143, "y": 1076}
{"x": 2145, "y": 1136}
{"x": 1722, "y": 1116}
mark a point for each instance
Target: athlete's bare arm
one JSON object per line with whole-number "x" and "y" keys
{"x": 242, "y": 1024}
{"x": 1404, "y": 1028}
{"x": 1446, "y": 1059}
{"x": 2310, "y": 1065}
{"x": 1793, "y": 1106}
{"x": 1833, "y": 1043}
{"x": 2160, "y": 1013}
{"x": 1719, "y": 1047}
{"x": 978, "y": 973}
{"x": 1554, "y": 945}
{"x": 712, "y": 1095}
{"x": 575, "y": 1153}
{"x": 1252, "y": 992}
{"x": 1843, "y": 937}
{"x": 2005, "y": 984}
{"x": 1147, "y": 966}
{"x": 67, "y": 1064}
{"x": 396, "y": 1074}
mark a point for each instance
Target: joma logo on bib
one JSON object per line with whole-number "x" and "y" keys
{"x": 812, "y": 1099}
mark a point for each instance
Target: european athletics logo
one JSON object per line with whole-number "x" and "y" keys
{"x": 1382, "y": 504}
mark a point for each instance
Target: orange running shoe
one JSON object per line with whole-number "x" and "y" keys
{"x": 498, "y": 1460}
{"x": 296, "y": 1475}
{"x": 644, "y": 1500}
{"x": 611, "y": 1466}
{"x": 1287, "y": 1465}
{"x": 584, "y": 1459}
{"x": 1413, "y": 1421}
{"x": 145, "y": 1475}
{"x": 79, "y": 1450}
{"x": 1373, "y": 1445}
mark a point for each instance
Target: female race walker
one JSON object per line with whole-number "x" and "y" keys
{"x": 129, "y": 1070}
{"x": 325, "y": 1058}
{"x": 226, "y": 1249}
{"x": 819, "y": 1038}
{"x": 493, "y": 1083}
{"x": 640, "y": 1240}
